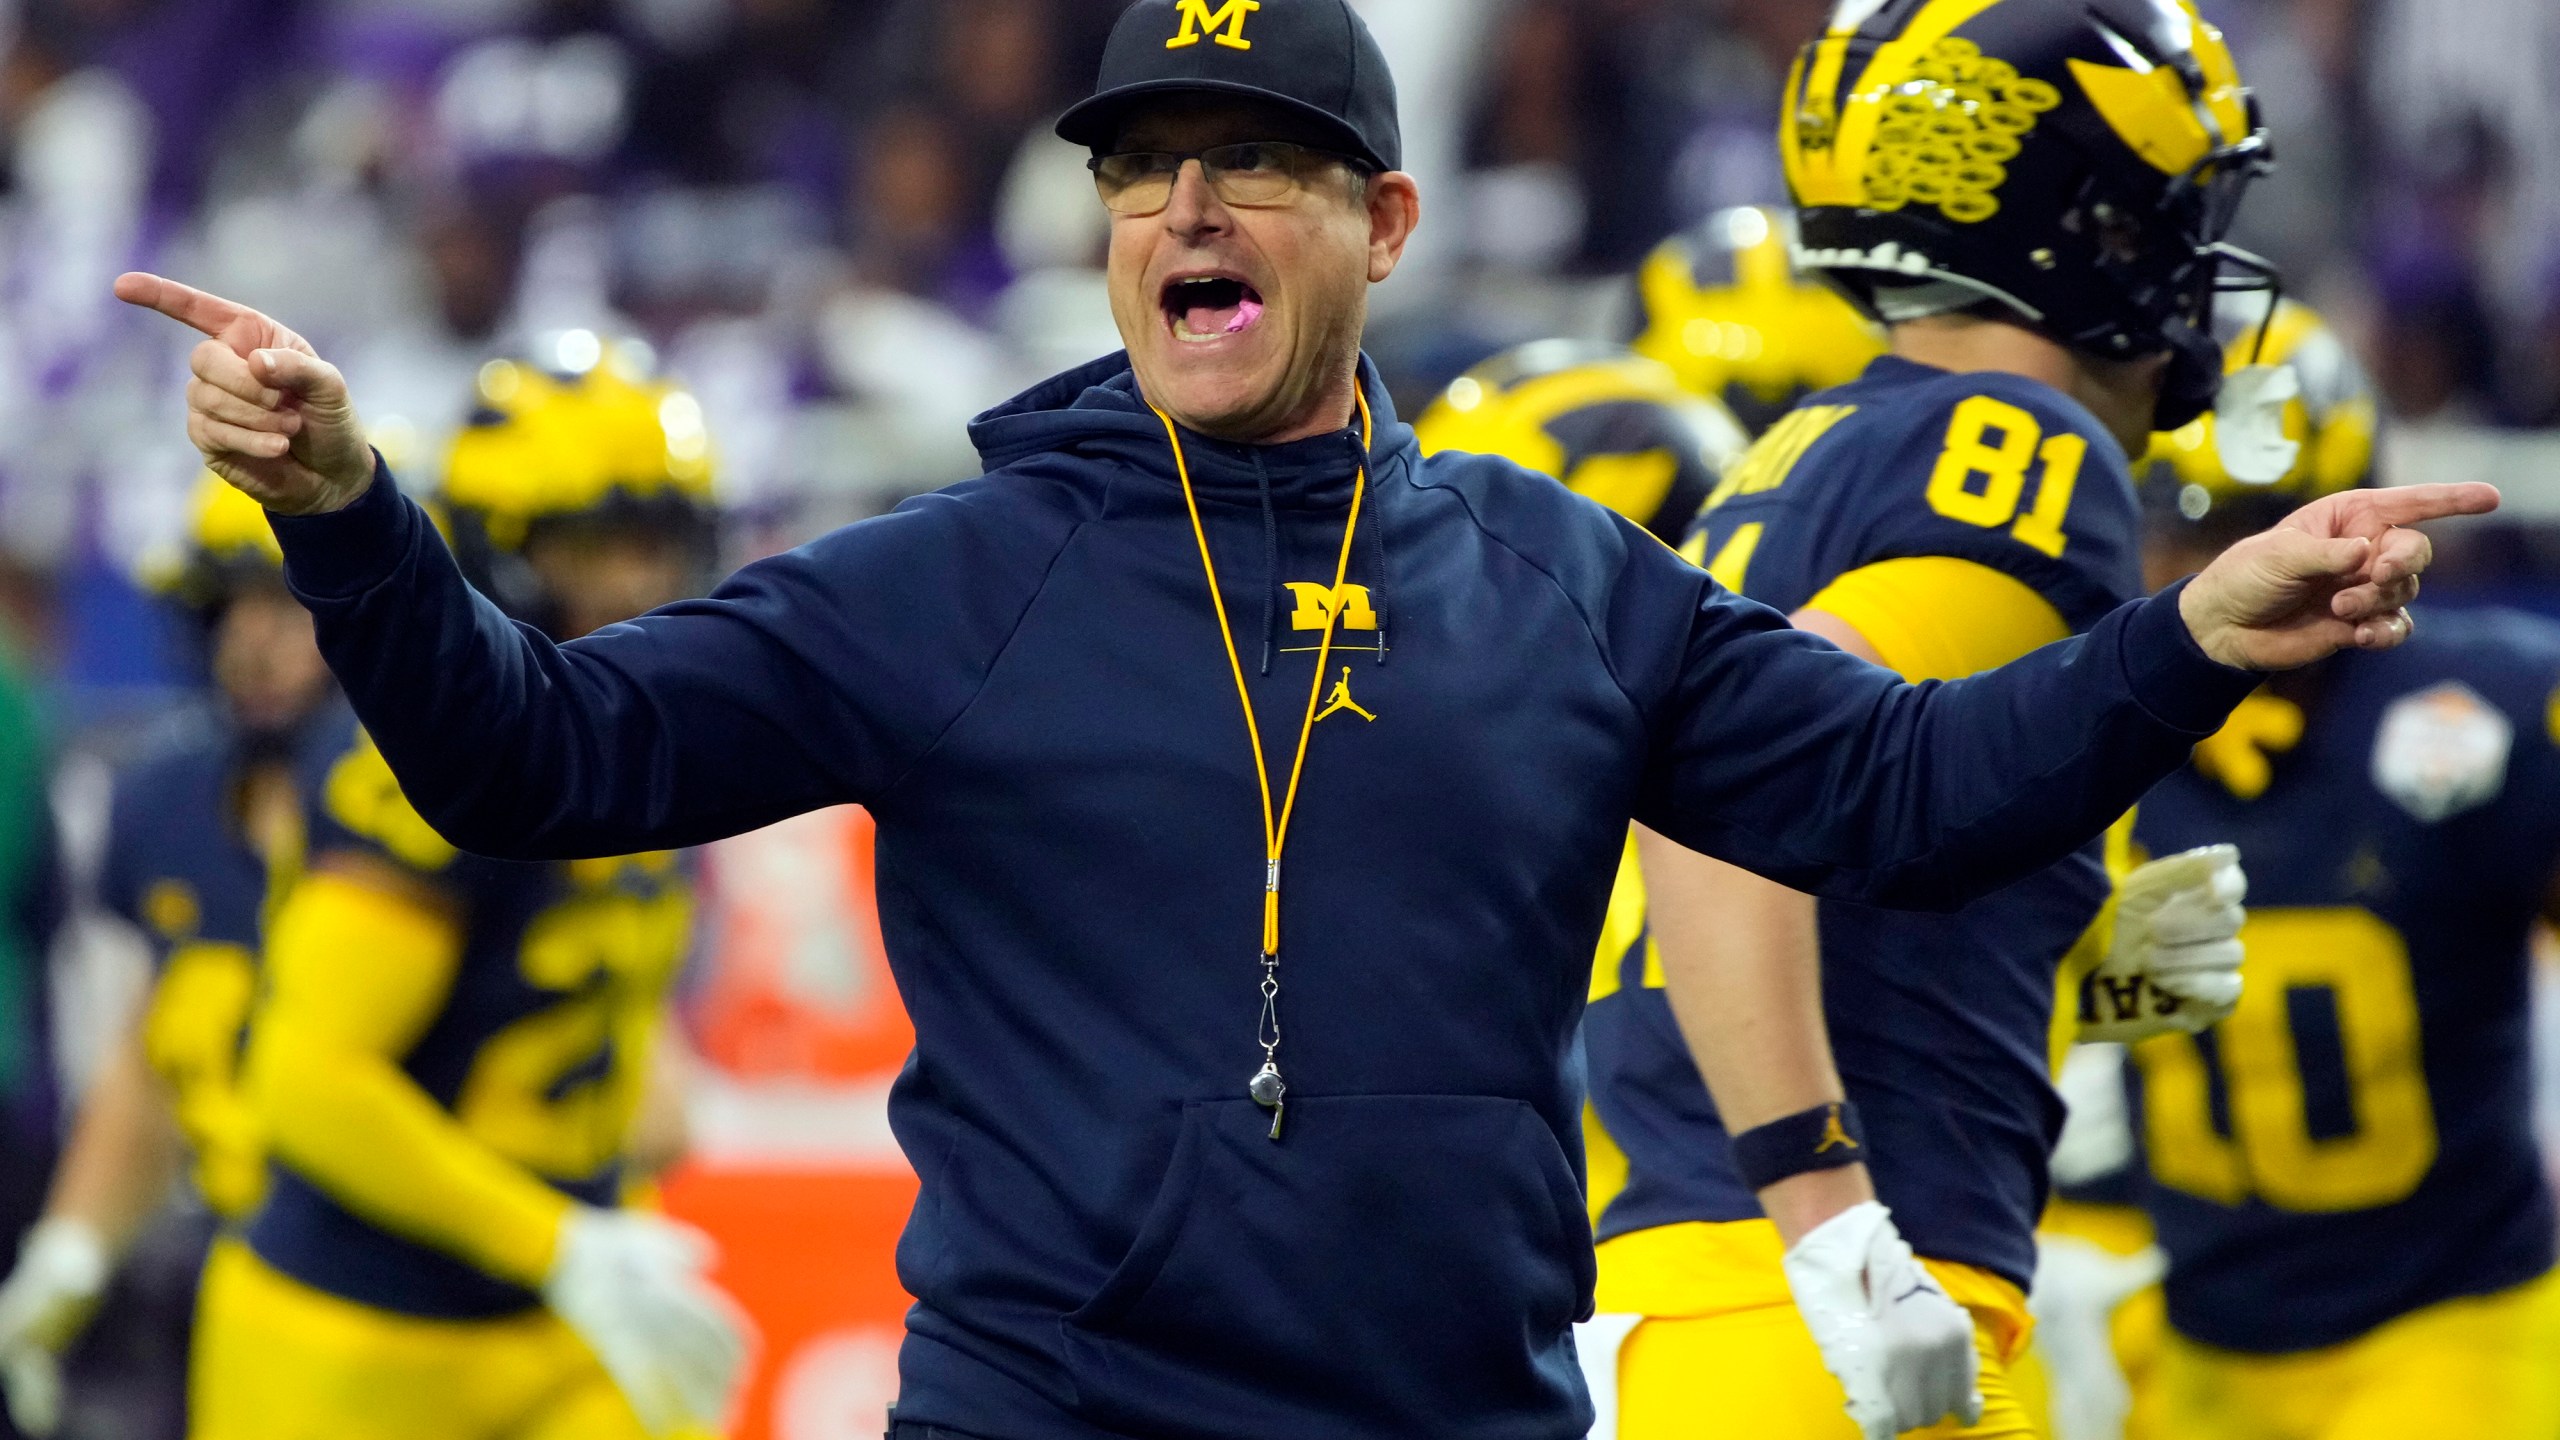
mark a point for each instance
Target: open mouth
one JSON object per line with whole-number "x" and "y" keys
{"x": 1211, "y": 307}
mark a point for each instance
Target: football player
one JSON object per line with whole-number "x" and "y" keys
{"x": 452, "y": 1050}
{"x": 203, "y": 830}
{"x": 1607, "y": 422}
{"x": 2031, "y": 195}
{"x": 2099, "y": 1311}
{"x": 1622, "y": 429}
{"x": 1723, "y": 305}
{"x": 2344, "y": 1173}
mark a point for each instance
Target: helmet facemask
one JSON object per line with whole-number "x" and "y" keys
{"x": 2198, "y": 209}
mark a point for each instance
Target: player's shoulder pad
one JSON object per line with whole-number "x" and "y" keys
{"x": 1989, "y": 467}
{"x": 1926, "y": 411}
{"x": 2468, "y": 717}
{"x": 357, "y": 804}
{"x": 2511, "y": 658}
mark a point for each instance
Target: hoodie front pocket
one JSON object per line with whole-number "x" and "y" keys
{"x": 1398, "y": 1264}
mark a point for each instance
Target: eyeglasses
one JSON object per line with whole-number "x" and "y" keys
{"x": 1256, "y": 172}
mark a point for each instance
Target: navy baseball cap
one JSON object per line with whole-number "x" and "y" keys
{"x": 1311, "y": 56}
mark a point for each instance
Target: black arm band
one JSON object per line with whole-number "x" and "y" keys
{"x": 1825, "y": 1137}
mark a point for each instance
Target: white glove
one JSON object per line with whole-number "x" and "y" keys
{"x": 62, "y": 1269}
{"x": 2175, "y": 961}
{"x": 631, "y": 1285}
{"x": 2078, "y": 1287}
{"x": 2097, "y": 1124}
{"x": 1899, "y": 1347}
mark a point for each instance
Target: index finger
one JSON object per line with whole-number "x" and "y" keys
{"x": 2409, "y": 504}
{"x": 183, "y": 303}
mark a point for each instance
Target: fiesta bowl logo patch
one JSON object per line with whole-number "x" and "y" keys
{"x": 2441, "y": 751}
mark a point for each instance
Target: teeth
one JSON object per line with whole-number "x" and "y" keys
{"x": 1185, "y": 298}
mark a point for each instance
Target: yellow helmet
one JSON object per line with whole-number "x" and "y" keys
{"x": 1724, "y": 306}
{"x": 2330, "y": 418}
{"x": 1609, "y": 423}
{"x": 227, "y": 544}
{"x": 578, "y": 428}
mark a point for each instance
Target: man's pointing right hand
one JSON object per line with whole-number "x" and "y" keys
{"x": 268, "y": 413}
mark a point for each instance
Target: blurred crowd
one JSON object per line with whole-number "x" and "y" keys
{"x": 844, "y": 223}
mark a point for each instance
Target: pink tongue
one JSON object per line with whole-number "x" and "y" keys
{"x": 1221, "y": 319}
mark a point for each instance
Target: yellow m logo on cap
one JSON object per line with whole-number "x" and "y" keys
{"x": 1198, "y": 20}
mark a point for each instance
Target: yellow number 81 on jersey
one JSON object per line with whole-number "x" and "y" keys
{"x": 1980, "y": 480}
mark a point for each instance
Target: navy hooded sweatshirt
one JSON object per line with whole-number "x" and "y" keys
{"x": 1022, "y": 677}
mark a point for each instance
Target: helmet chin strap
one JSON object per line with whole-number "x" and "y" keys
{"x": 2194, "y": 377}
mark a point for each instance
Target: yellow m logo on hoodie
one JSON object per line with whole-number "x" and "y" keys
{"x": 1317, "y": 603}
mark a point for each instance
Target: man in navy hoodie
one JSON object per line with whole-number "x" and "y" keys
{"x": 1249, "y": 787}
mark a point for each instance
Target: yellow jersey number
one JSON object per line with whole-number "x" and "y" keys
{"x": 556, "y": 1090}
{"x": 1979, "y": 482}
{"x": 2271, "y": 1153}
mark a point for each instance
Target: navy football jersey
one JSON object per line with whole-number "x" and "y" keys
{"x": 177, "y": 865}
{"x": 183, "y": 867}
{"x": 537, "y": 1049}
{"x": 1940, "y": 1022}
{"x": 2356, "y": 1141}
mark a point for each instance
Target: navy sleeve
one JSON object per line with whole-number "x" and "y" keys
{"x": 813, "y": 678}
{"x": 1779, "y": 753}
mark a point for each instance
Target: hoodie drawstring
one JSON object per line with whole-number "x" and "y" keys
{"x": 1378, "y": 568}
{"x": 1270, "y": 564}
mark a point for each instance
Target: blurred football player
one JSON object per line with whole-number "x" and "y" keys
{"x": 1724, "y": 306}
{"x": 452, "y": 1050}
{"x": 2030, "y": 194}
{"x": 203, "y": 830}
{"x": 2344, "y": 1174}
{"x": 2097, "y": 1302}
{"x": 1607, "y": 422}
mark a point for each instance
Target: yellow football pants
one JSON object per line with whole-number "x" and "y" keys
{"x": 278, "y": 1360}
{"x": 2485, "y": 1368}
{"x": 1723, "y": 1353}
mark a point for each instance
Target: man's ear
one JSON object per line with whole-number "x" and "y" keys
{"x": 1395, "y": 209}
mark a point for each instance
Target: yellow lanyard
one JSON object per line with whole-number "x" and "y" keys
{"x": 1266, "y": 1086}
